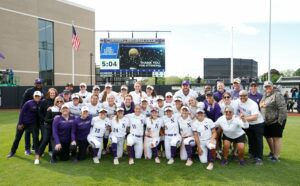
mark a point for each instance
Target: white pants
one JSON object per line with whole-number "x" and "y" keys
{"x": 137, "y": 143}
{"x": 120, "y": 144}
{"x": 171, "y": 141}
{"x": 186, "y": 141}
{"x": 150, "y": 143}
{"x": 205, "y": 149}
{"x": 96, "y": 143}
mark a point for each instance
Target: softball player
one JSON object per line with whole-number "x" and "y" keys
{"x": 75, "y": 105}
{"x": 137, "y": 94}
{"x": 160, "y": 105}
{"x": 151, "y": 95}
{"x": 152, "y": 139}
{"x": 119, "y": 125}
{"x": 110, "y": 106}
{"x": 94, "y": 105}
{"x": 146, "y": 109}
{"x": 169, "y": 99}
{"x": 99, "y": 127}
{"x": 204, "y": 135}
{"x": 177, "y": 106}
{"x": 135, "y": 138}
{"x": 172, "y": 137}
{"x": 83, "y": 93}
{"x": 194, "y": 105}
{"x": 188, "y": 141}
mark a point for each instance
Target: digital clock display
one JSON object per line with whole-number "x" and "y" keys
{"x": 110, "y": 64}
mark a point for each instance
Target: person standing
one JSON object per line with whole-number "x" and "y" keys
{"x": 83, "y": 93}
{"x": 27, "y": 121}
{"x": 254, "y": 94}
{"x": 185, "y": 92}
{"x": 236, "y": 88}
{"x": 274, "y": 110}
{"x": 218, "y": 95}
{"x": 250, "y": 110}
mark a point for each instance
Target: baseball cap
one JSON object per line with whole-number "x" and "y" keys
{"x": 237, "y": 80}
{"x": 65, "y": 106}
{"x": 243, "y": 93}
{"x": 160, "y": 98}
{"x": 37, "y": 93}
{"x": 119, "y": 109}
{"x": 169, "y": 94}
{"x": 102, "y": 109}
{"x": 82, "y": 84}
{"x": 144, "y": 99}
{"x": 150, "y": 87}
{"x": 85, "y": 108}
{"x": 268, "y": 83}
{"x": 253, "y": 83}
{"x": 168, "y": 109}
{"x": 154, "y": 109}
{"x": 177, "y": 99}
{"x": 209, "y": 93}
{"x": 107, "y": 85}
{"x": 124, "y": 87}
{"x": 96, "y": 87}
{"x": 200, "y": 110}
{"x": 185, "y": 107}
{"x": 75, "y": 96}
{"x": 66, "y": 92}
{"x": 185, "y": 82}
{"x": 38, "y": 81}
{"x": 228, "y": 109}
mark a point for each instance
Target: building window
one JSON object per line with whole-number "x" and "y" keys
{"x": 46, "y": 57}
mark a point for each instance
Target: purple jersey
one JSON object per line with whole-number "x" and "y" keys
{"x": 61, "y": 129}
{"x": 81, "y": 128}
{"x": 213, "y": 112}
{"x": 29, "y": 113}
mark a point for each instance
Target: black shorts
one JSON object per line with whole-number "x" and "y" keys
{"x": 241, "y": 139}
{"x": 274, "y": 130}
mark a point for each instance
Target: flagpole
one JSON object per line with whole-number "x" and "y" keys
{"x": 73, "y": 66}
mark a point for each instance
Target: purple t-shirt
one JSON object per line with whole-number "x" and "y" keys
{"x": 81, "y": 128}
{"x": 29, "y": 113}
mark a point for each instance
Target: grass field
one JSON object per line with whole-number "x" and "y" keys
{"x": 20, "y": 169}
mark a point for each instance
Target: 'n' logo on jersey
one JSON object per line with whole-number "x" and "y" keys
{"x": 133, "y": 126}
{"x": 206, "y": 127}
{"x": 123, "y": 125}
{"x": 156, "y": 125}
{"x": 172, "y": 120}
{"x": 142, "y": 121}
{"x": 189, "y": 124}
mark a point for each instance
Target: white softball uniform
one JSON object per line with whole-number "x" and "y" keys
{"x": 135, "y": 138}
{"x": 193, "y": 110}
{"x": 152, "y": 138}
{"x": 85, "y": 96}
{"x": 98, "y": 129}
{"x": 110, "y": 109}
{"x": 151, "y": 100}
{"x": 172, "y": 136}
{"x": 204, "y": 131}
{"x": 186, "y": 132}
{"x": 94, "y": 109}
{"x": 147, "y": 111}
{"x": 137, "y": 96}
{"x": 176, "y": 112}
{"x": 118, "y": 132}
{"x": 75, "y": 110}
{"x": 232, "y": 128}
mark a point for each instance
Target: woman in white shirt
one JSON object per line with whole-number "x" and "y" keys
{"x": 227, "y": 101}
{"x": 94, "y": 105}
{"x": 135, "y": 137}
{"x": 119, "y": 125}
{"x": 137, "y": 94}
{"x": 152, "y": 139}
{"x": 99, "y": 126}
{"x": 232, "y": 133}
{"x": 75, "y": 105}
{"x": 194, "y": 105}
{"x": 151, "y": 95}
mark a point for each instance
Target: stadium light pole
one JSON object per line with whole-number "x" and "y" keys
{"x": 231, "y": 61}
{"x": 91, "y": 68}
{"x": 270, "y": 21}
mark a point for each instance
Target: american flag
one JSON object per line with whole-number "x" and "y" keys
{"x": 75, "y": 39}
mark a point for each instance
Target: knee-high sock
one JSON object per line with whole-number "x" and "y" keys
{"x": 173, "y": 151}
{"x": 189, "y": 152}
{"x": 130, "y": 151}
{"x": 95, "y": 152}
{"x": 154, "y": 152}
{"x": 114, "y": 148}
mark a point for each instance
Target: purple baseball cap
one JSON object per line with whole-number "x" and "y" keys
{"x": 185, "y": 82}
{"x": 38, "y": 81}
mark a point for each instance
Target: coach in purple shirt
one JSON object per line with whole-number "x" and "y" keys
{"x": 61, "y": 131}
{"x": 28, "y": 119}
{"x": 218, "y": 95}
{"x": 253, "y": 94}
{"x": 235, "y": 93}
{"x": 80, "y": 130}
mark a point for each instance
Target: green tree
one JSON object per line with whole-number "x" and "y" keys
{"x": 275, "y": 75}
{"x": 288, "y": 73}
{"x": 297, "y": 72}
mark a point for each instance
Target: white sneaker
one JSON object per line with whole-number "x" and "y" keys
{"x": 36, "y": 161}
{"x": 131, "y": 162}
{"x": 157, "y": 160}
{"x": 171, "y": 161}
{"x": 116, "y": 161}
{"x": 210, "y": 166}
{"x": 189, "y": 162}
{"x": 96, "y": 160}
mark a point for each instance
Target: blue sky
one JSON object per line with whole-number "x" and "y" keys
{"x": 203, "y": 29}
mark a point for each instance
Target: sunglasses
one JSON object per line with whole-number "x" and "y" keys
{"x": 226, "y": 97}
{"x": 59, "y": 102}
